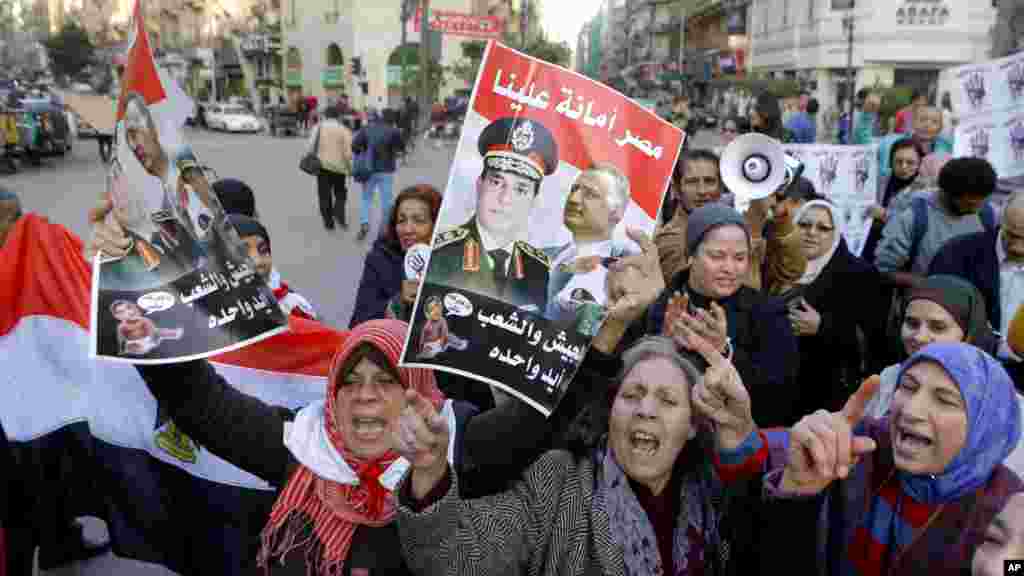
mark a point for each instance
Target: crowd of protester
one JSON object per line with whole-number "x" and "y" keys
{"x": 760, "y": 398}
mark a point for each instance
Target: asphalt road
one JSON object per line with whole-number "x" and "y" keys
{"x": 323, "y": 266}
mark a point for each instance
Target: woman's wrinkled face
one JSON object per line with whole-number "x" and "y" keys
{"x": 413, "y": 224}
{"x": 928, "y": 419}
{"x": 1004, "y": 540}
{"x": 817, "y": 232}
{"x": 906, "y": 163}
{"x": 651, "y": 421}
{"x": 924, "y": 323}
{"x": 369, "y": 400}
{"x": 721, "y": 262}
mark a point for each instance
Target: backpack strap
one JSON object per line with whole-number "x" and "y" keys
{"x": 919, "y": 207}
{"x": 988, "y": 217}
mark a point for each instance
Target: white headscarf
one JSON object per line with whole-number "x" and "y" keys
{"x": 815, "y": 266}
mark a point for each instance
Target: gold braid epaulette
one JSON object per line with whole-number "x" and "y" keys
{"x": 534, "y": 253}
{"x": 451, "y": 236}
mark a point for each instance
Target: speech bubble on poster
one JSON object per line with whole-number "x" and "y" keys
{"x": 156, "y": 302}
{"x": 458, "y": 305}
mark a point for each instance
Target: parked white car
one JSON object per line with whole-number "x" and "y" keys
{"x": 232, "y": 118}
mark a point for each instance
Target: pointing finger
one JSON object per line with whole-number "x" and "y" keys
{"x": 855, "y": 407}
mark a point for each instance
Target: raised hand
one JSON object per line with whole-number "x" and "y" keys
{"x": 828, "y": 171}
{"x": 108, "y": 237}
{"x": 721, "y": 396}
{"x": 861, "y": 174}
{"x": 822, "y": 447}
{"x": 634, "y": 282}
{"x": 976, "y": 89}
{"x": 422, "y": 438}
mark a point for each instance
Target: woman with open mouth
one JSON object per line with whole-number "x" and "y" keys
{"x": 916, "y": 492}
{"x": 645, "y": 498}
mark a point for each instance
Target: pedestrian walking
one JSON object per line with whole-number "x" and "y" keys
{"x": 384, "y": 141}
{"x": 332, "y": 144}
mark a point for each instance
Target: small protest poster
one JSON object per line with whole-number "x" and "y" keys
{"x": 991, "y": 96}
{"x": 550, "y": 170}
{"x": 847, "y": 176}
{"x": 186, "y": 288}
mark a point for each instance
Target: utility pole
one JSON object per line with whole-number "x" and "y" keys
{"x": 524, "y": 22}
{"x": 404, "y": 17}
{"x": 848, "y": 25}
{"x": 426, "y": 100}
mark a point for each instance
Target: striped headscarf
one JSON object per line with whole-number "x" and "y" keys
{"x": 335, "y": 510}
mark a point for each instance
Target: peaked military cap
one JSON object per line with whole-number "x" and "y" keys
{"x": 519, "y": 145}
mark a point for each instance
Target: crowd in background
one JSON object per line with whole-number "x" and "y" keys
{"x": 758, "y": 397}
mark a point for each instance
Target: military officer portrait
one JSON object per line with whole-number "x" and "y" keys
{"x": 487, "y": 255}
{"x": 596, "y": 204}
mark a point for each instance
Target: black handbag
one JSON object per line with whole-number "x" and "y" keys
{"x": 310, "y": 163}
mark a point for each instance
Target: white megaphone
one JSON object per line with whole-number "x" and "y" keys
{"x": 753, "y": 167}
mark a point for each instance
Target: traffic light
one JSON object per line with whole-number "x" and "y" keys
{"x": 357, "y": 66}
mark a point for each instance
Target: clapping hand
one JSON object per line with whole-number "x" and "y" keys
{"x": 422, "y": 438}
{"x": 691, "y": 326}
{"x": 822, "y": 447}
{"x": 721, "y": 396}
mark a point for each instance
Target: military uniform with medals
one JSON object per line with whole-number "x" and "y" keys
{"x": 518, "y": 273}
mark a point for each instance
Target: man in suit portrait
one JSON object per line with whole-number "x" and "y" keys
{"x": 579, "y": 269}
{"x": 486, "y": 254}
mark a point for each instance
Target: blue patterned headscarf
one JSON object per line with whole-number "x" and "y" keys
{"x": 993, "y": 422}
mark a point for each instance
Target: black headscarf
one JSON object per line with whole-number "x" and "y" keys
{"x": 895, "y": 185}
{"x": 235, "y": 196}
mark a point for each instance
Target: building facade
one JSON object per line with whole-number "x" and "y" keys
{"x": 902, "y": 42}
{"x": 320, "y": 39}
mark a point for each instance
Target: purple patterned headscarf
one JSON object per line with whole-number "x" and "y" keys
{"x": 993, "y": 422}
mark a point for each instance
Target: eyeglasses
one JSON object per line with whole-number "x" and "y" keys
{"x": 807, "y": 226}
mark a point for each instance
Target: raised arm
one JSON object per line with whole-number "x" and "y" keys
{"x": 500, "y": 534}
{"x": 235, "y": 426}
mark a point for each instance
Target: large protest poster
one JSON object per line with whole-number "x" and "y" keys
{"x": 186, "y": 289}
{"x": 847, "y": 176}
{"x": 550, "y": 169}
{"x": 991, "y": 96}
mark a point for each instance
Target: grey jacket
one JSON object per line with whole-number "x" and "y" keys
{"x": 893, "y": 253}
{"x": 554, "y": 522}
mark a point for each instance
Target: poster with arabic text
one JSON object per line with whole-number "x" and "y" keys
{"x": 550, "y": 170}
{"x": 186, "y": 288}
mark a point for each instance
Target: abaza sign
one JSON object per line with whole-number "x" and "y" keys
{"x": 922, "y": 13}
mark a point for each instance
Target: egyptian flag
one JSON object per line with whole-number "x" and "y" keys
{"x": 87, "y": 437}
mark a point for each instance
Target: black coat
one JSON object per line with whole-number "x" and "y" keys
{"x": 382, "y": 280}
{"x": 765, "y": 350}
{"x": 973, "y": 258}
{"x": 848, "y": 295}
